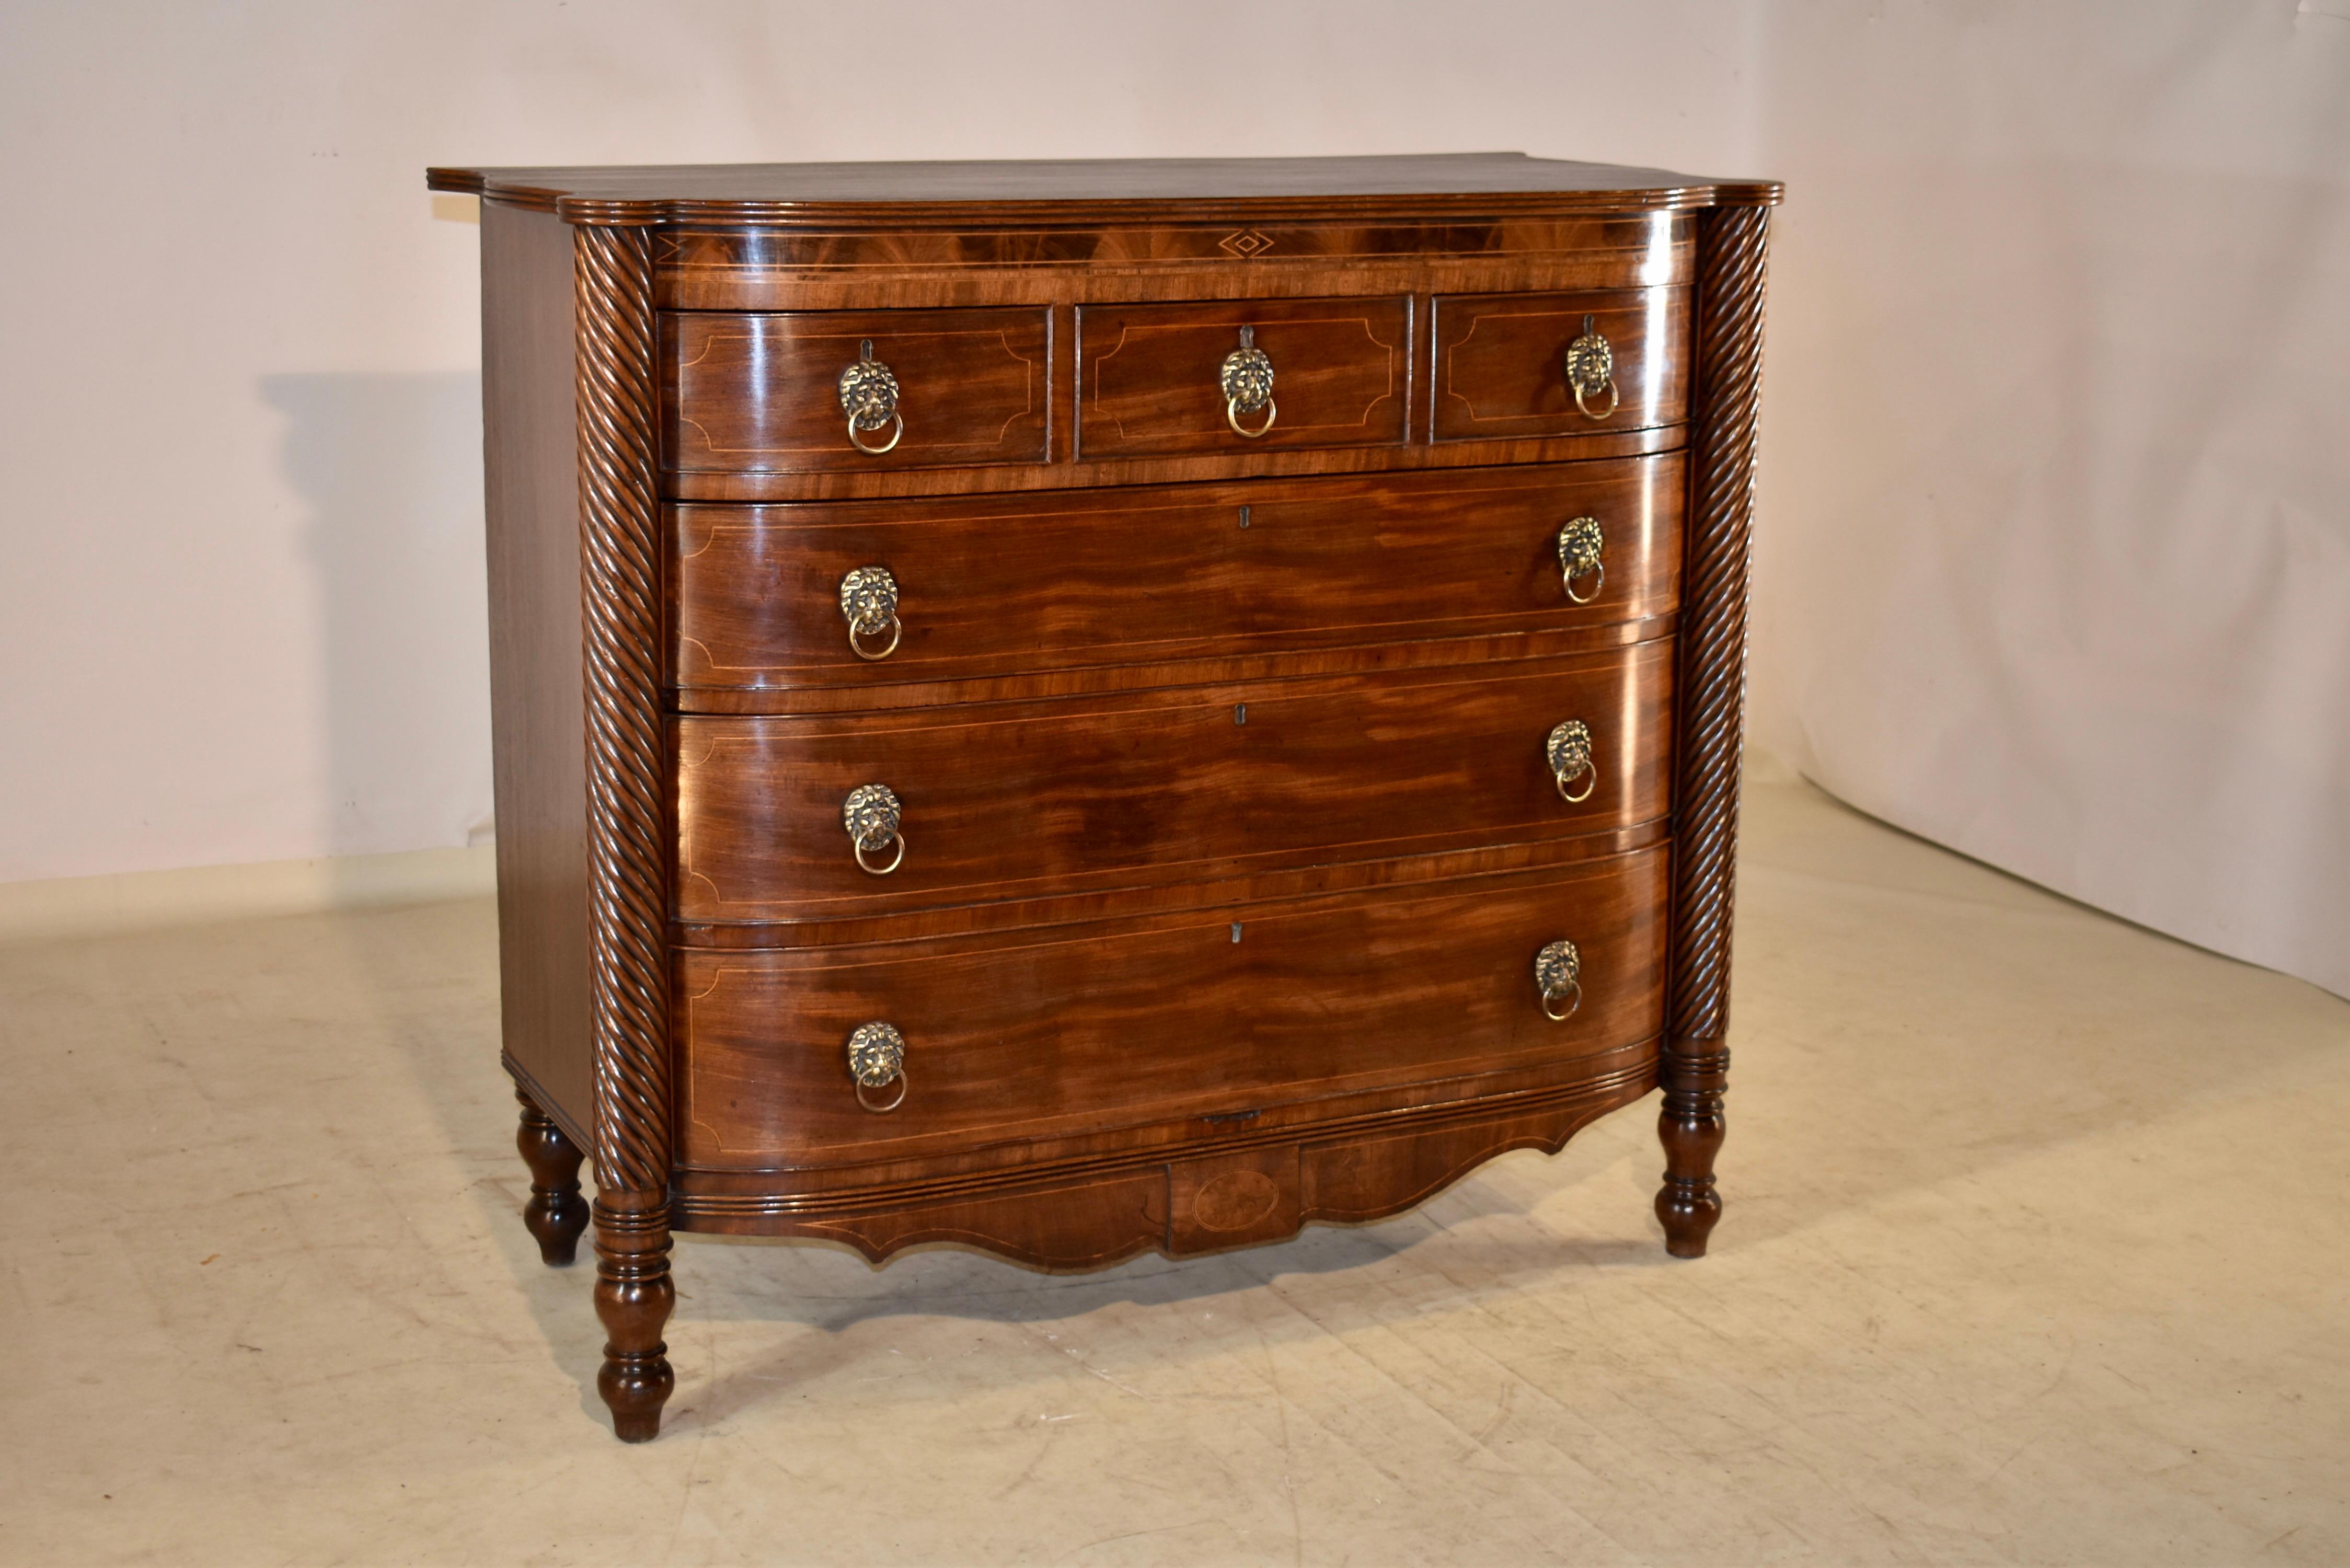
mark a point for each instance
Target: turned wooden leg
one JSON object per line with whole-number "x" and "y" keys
{"x": 633, "y": 1298}
{"x": 1694, "y": 1074}
{"x": 555, "y": 1213}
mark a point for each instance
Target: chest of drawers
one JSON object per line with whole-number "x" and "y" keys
{"x": 1089, "y": 707}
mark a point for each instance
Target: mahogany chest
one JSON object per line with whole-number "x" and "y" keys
{"x": 1075, "y": 708}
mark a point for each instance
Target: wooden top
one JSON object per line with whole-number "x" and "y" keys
{"x": 1094, "y": 190}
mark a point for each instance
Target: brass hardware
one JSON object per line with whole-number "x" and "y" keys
{"x": 869, "y": 603}
{"x": 1246, "y": 380}
{"x": 1591, "y": 371}
{"x": 869, "y": 396}
{"x": 1579, "y": 544}
{"x": 871, "y": 815}
{"x": 1569, "y": 751}
{"x": 877, "y": 1058}
{"x": 1558, "y": 974}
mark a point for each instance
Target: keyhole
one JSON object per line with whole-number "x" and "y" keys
{"x": 1236, "y": 931}
{"x": 1240, "y": 713}
{"x": 1245, "y": 518}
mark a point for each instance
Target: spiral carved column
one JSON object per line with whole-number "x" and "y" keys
{"x": 1732, "y": 242}
{"x": 628, "y": 894}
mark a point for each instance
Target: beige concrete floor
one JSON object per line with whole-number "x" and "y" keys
{"x": 2035, "y": 1253}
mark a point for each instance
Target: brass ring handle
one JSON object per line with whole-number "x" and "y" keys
{"x": 1568, "y": 750}
{"x": 1233, "y": 417}
{"x": 895, "y": 860}
{"x": 876, "y": 1058}
{"x": 895, "y": 628}
{"x": 896, "y": 429}
{"x": 1590, "y": 370}
{"x": 1580, "y": 541}
{"x": 871, "y": 816}
{"x": 1558, "y": 976}
{"x": 1246, "y": 381}
{"x": 869, "y": 603}
{"x": 869, "y": 396}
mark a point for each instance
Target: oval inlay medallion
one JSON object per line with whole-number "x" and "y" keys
{"x": 1236, "y": 1198}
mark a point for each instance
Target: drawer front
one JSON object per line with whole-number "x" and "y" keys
{"x": 1070, "y": 1030}
{"x": 749, "y": 391}
{"x": 1503, "y": 363}
{"x": 1151, "y": 381}
{"x": 1030, "y": 799}
{"x": 1002, "y": 586}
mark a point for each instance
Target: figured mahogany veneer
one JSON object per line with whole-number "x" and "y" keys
{"x": 1147, "y": 375}
{"x": 1223, "y": 1012}
{"x": 1234, "y": 859}
{"x": 761, "y": 391}
{"x": 1029, "y": 799}
{"x": 1095, "y": 579}
{"x": 1501, "y": 368}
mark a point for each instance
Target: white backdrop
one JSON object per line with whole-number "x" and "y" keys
{"x": 2055, "y": 562}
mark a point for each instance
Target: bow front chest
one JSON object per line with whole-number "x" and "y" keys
{"x": 1077, "y": 708}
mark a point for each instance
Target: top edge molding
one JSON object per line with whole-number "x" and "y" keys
{"x": 1107, "y": 191}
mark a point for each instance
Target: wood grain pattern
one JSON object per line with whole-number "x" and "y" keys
{"x": 840, "y": 485}
{"x": 1092, "y": 1218}
{"x": 1051, "y": 1033}
{"x": 1501, "y": 363}
{"x": 761, "y": 391}
{"x": 538, "y": 706}
{"x": 778, "y": 269}
{"x": 1147, "y": 375}
{"x": 989, "y": 588}
{"x": 628, "y": 861}
{"x": 1026, "y": 800}
{"x": 1733, "y": 247}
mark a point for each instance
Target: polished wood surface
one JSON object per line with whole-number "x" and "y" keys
{"x": 1695, "y": 1069}
{"x": 1436, "y": 184}
{"x": 1023, "y": 800}
{"x": 1147, "y": 375}
{"x": 990, "y": 588}
{"x": 923, "y": 265}
{"x": 1229, "y": 847}
{"x": 537, "y": 716}
{"x": 556, "y": 1213}
{"x": 1501, "y": 363}
{"x": 1051, "y": 1033}
{"x": 745, "y": 391}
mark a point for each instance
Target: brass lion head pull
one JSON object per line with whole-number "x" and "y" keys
{"x": 869, "y": 603}
{"x": 871, "y": 816}
{"x": 876, "y": 1058}
{"x": 1579, "y": 544}
{"x": 1558, "y": 975}
{"x": 869, "y": 396}
{"x": 1246, "y": 381}
{"x": 1591, "y": 371}
{"x": 1569, "y": 751}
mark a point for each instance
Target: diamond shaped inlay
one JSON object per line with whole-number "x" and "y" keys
{"x": 1247, "y": 244}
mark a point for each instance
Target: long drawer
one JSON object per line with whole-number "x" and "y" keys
{"x": 1006, "y": 585}
{"x": 1222, "y": 1014}
{"x": 1029, "y": 799}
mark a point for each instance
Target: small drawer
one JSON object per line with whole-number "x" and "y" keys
{"x": 1035, "y": 799}
{"x": 1510, "y": 366}
{"x": 862, "y": 593}
{"x": 1075, "y": 1029}
{"x": 1151, "y": 378}
{"x": 941, "y": 389}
